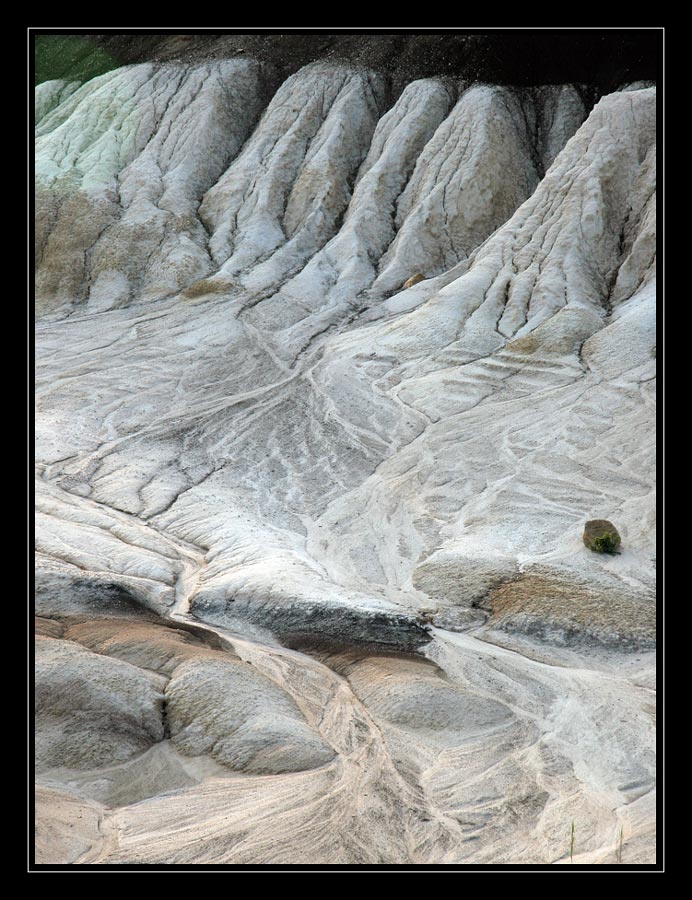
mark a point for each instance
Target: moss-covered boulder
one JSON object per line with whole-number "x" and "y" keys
{"x": 601, "y": 536}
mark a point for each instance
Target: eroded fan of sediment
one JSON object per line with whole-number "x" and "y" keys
{"x": 310, "y": 579}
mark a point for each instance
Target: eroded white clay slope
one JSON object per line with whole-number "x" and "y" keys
{"x": 483, "y": 162}
{"x": 283, "y": 196}
{"x": 121, "y": 167}
{"x": 245, "y": 426}
{"x": 50, "y": 94}
{"x": 520, "y": 439}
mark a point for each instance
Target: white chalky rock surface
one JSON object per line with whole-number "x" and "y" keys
{"x": 368, "y": 501}
{"x": 50, "y": 94}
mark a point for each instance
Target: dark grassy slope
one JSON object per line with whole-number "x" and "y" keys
{"x": 602, "y": 59}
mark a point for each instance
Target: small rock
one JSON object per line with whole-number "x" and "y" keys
{"x": 601, "y": 536}
{"x": 426, "y": 614}
{"x": 414, "y": 279}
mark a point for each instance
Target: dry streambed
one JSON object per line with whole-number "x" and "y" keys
{"x": 159, "y": 742}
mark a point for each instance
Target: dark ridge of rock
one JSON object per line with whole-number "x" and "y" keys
{"x": 340, "y": 656}
{"x": 305, "y": 624}
{"x": 58, "y": 595}
{"x": 604, "y": 59}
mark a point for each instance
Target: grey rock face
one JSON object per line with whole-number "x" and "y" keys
{"x": 333, "y": 623}
{"x": 89, "y": 710}
{"x": 311, "y": 582}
